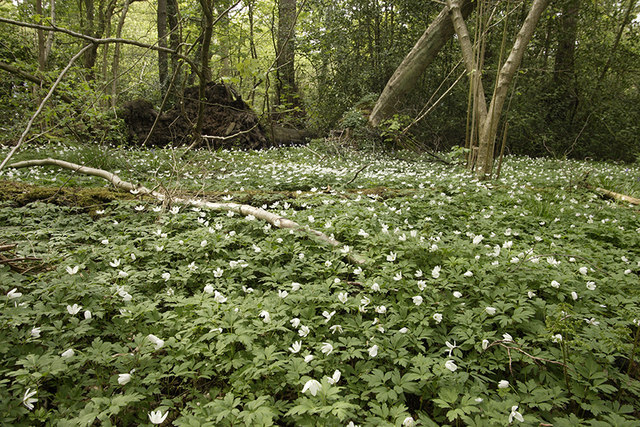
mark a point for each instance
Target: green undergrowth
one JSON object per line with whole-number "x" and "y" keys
{"x": 515, "y": 301}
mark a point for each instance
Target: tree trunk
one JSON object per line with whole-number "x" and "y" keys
{"x": 163, "y": 59}
{"x": 90, "y": 55}
{"x": 413, "y": 65}
{"x": 205, "y": 70}
{"x": 488, "y": 130}
{"x": 50, "y": 35}
{"x": 224, "y": 50}
{"x": 286, "y": 89}
{"x": 623, "y": 24}
{"x": 175, "y": 38}
{"x": 41, "y": 41}
{"x": 564, "y": 74}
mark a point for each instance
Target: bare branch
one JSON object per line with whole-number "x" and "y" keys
{"x": 244, "y": 210}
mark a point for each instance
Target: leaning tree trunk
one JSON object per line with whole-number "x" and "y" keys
{"x": 488, "y": 118}
{"x": 415, "y": 63}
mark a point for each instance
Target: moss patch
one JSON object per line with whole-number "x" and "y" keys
{"x": 22, "y": 194}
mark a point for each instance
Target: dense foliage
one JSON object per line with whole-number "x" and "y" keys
{"x": 575, "y": 96}
{"x": 479, "y": 304}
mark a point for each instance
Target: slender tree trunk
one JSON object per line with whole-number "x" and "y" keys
{"x": 175, "y": 38}
{"x": 205, "y": 70}
{"x": 163, "y": 59}
{"x": 489, "y": 129}
{"x": 50, "y": 35}
{"x": 623, "y": 24}
{"x": 42, "y": 64}
{"x": 564, "y": 74}
{"x": 252, "y": 49}
{"x": 286, "y": 89}
{"x": 223, "y": 38}
{"x": 488, "y": 118}
{"x": 90, "y": 55}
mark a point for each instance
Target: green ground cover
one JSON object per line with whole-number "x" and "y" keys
{"x": 514, "y": 301}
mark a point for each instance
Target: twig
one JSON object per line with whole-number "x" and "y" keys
{"x": 356, "y": 175}
{"x": 224, "y": 138}
{"x": 10, "y": 260}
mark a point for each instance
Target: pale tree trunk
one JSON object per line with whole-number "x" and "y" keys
{"x": 415, "y": 63}
{"x": 489, "y": 130}
{"x": 489, "y": 125}
{"x": 48, "y": 45}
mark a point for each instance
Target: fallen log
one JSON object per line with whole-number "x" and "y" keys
{"x": 616, "y": 196}
{"x": 244, "y": 210}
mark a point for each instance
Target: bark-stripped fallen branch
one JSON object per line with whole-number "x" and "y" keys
{"x": 616, "y": 196}
{"x": 607, "y": 193}
{"x": 245, "y": 210}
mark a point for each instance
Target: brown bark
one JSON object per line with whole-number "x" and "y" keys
{"x": 205, "y": 71}
{"x": 115, "y": 69}
{"x": 416, "y": 62}
{"x": 564, "y": 74}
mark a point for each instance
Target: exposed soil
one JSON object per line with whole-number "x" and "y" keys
{"x": 226, "y": 114}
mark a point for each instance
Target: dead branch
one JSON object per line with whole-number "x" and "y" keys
{"x": 356, "y": 175}
{"x": 616, "y": 196}
{"x": 244, "y": 210}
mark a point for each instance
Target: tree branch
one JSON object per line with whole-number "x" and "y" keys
{"x": 41, "y": 106}
{"x": 30, "y": 77}
{"x": 244, "y": 210}
{"x": 93, "y": 40}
